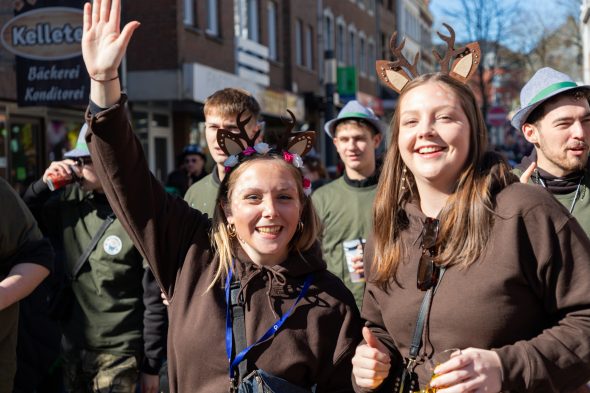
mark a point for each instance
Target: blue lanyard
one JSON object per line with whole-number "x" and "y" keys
{"x": 269, "y": 333}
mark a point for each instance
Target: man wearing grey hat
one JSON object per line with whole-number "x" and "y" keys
{"x": 344, "y": 205}
{"x": 113, "y": 322}
{"x": 555, "y": 117}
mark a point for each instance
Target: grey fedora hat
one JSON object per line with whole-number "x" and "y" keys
{"x": 545, "y": 84}
{"x": 81, "y": 149}
{"x": 355, "y": 110}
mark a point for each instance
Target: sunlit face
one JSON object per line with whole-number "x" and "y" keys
{"x": 434, "y": 135}
{"x": 562, "y": 136}
{"x": 356, "y": 147}
{"x": 265, "y": 209}
{"x": 214, "y": 121}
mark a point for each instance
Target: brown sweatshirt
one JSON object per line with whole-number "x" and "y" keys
{"x": 316, "y": 343}
{"x": 527, "y": 297}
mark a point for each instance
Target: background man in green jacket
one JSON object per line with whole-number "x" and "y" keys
{"x": 25, "y": 260}
{"x": 114, "y": 331}
{"x": 221, "y": 111}
{"x": 345, "y": 205}
{"x": 555, "y": 117}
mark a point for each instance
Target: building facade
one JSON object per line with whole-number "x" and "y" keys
{"x": 185, "y": 50}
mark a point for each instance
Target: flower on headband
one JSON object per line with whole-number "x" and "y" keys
{"x": 249, "y": 151}
{"x": 231, "y": 161}
{"x": 261, "y": 148}
{"x": 306, "y": 186}
{"x": 297, "y": 161}
{"x": 288, "y": 157}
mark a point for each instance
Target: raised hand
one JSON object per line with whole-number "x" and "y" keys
{"x": 103, "y": 43}
{"x": 371, "y": 362}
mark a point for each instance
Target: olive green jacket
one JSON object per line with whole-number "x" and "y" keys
{"x": 203, "y": 194}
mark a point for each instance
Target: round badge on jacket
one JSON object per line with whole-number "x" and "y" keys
{"x": 112, "y": 245}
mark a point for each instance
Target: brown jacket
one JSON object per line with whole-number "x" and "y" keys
{"x": 317, "y": 342}
{"x": 527, "y": 297}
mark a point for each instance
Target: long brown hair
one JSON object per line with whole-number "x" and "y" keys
{"x": 225, "y": 245}
{"x": 467, "y": 217}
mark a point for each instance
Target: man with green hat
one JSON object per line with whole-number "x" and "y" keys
{"x": 345, "y": 205}
{"x": 555, "y": 117}
{"x": 114, "y": 328}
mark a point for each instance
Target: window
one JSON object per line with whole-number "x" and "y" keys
{"x": 384, "y": 46}
{"x": 212, "y": 18}
{"x": 298, "y": 42}
{"x": 246, "y": 19}
{"x": 371, "y": 58}
{"x": 253, "y": 20}
{"x": 190, "y": 13}
{"x": 328, "y": 33}
{"x": 352, "y": 48}
{"x": 340, "y": 48}
{"x": 271, "y": 11}
{"x": 309, "y": 47}
{"x": 362, "y": 55}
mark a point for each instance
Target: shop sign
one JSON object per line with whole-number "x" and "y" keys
{"x": 276, "y": 103}
{"x": 50, "y": 33}
{"x": 347, "y": 83}
{"x": 45, "y": 38}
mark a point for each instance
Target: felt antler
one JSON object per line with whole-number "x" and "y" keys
{"x": 465, "y": 59}
{"x": 233, "y": 144}
{"x": 295, "y": 142}
{"x": 402, "y": 61}
{"x": 393, "y": 73}
{"x": 451, "y": 51}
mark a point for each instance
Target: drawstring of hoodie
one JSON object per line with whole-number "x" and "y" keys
{"x": 273, "y": 277}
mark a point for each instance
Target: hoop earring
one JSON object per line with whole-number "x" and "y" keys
{"x": 231, "y": 230}
{"x": 404, "y": 178}
{"x": 300, "y": 226}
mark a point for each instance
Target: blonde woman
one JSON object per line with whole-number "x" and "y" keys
{"x": 301, "y": 321}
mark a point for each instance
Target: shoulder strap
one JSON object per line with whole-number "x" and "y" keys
{"x": 239, "y": 327}
{"x": 424, "y": 310}
{"x": 84, "y": 257}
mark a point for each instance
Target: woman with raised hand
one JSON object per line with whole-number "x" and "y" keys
{"x": 465, "y": 260}
{"x": 258, "y": 256}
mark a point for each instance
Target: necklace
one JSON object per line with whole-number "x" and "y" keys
{"x": 539, "y": 180}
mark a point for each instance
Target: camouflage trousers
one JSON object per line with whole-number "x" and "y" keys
{"x": 97, "y": 372}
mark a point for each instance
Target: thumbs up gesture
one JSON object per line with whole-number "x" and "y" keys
{"x": 371, "y": 362}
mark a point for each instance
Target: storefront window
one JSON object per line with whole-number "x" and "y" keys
{"x": 24, "y": 152}
{"x": 3, "y": 147}
{"x": 60, "y": 136}
{"x": 141, "y": 127}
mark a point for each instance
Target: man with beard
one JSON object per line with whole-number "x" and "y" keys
{"x": 555, "y": 117}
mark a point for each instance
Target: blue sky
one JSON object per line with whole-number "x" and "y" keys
{"x": 533, "y": 13}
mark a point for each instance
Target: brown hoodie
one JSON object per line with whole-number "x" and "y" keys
{"x": 527, "y": 297}
{"x": 316, "y": 343}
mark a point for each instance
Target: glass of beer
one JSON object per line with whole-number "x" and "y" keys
{"x": 437, "y": 359}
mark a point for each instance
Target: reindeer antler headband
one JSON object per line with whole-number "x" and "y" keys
{"x": 396, "y": 74}
{"x": 291, "y": 145}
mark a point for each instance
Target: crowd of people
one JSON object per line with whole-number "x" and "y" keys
{"x": 263, "y": 265}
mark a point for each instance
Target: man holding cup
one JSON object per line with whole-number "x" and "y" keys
{"x": 344, "y": 205}
{"x": 114, "y": 326}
